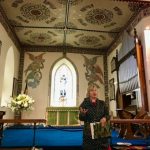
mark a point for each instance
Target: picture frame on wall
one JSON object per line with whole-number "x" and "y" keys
{"x": 113, "y": 65}
{"x": 15, "y": 87}
{"x": 111, "y": 89}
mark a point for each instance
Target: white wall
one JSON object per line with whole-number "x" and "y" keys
{"x": 6, "y": 45}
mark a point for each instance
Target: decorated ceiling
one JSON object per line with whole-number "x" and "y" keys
{"x": 91, "y": 24}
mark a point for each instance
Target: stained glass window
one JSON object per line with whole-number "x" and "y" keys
{"x": 63, "y": 87}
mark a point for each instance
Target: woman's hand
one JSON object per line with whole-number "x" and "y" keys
{"x": 103, "y": 121}
{"x": 83, "y": 110}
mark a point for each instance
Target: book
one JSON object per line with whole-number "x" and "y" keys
{"x": 97, "y": 130}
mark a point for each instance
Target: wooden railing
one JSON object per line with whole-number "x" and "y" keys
{"x": 132, "y": 128}
{"x": 34, "y": 121}
{"x": 122, "y": 121}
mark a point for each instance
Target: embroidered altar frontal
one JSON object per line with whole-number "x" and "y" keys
{"x": 62, "y": 116}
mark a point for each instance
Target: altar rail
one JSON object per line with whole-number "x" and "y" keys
{"x": 34, "y": 121}
{"x": 62, "y": 116}
{"x": 122, "y": 121}
{"x": 71, "y": 119}
{"x": 132, "y": 128}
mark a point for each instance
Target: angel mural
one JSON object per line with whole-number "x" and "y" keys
{"x": 33, "y": 71}
{"x": 94, "y": 73}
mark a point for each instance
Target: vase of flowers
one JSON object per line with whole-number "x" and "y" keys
{"x": 20, "y": 103}
{"x": 17, "y": 114}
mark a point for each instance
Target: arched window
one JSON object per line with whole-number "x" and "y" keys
{"x": 63, "y": 84}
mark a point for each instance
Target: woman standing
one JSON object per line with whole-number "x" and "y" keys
{"x": 93, "y": 110}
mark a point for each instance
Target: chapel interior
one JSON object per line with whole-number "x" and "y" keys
{"x": 51, "y": 50}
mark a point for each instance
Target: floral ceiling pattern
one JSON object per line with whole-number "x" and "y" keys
{"x": 92, "y": 24}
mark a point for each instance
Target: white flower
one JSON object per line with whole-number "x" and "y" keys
{"x": 21, "y": 102}
{"x": 26, "y": 105}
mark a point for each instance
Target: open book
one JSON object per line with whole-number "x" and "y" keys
{"x": 98, "y": 131}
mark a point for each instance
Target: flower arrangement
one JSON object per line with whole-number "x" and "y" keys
{"x": 21, "y": 102}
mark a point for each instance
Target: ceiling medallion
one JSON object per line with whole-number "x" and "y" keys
{"x": 40, "y": 37}
{"x": 71, "y": 2}
{"x": 89, "y": 40}
{"x": 35, "y": 12}
{"x": 99, "y": 16}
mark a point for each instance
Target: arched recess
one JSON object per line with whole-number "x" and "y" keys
{"x": 7, "y": 85}
{"x": 63, "y": 87}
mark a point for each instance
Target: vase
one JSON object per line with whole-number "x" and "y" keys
{"x": 17, "y": 114}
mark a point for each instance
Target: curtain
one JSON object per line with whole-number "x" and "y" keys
{"x": 127, "y": 45}
{"x": 128, "y": 73}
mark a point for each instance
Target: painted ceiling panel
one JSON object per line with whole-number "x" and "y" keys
{"x": 100, "y": 15}
{"x": 40, "y": 37}
{"x": 88, "y": 39}
{"x": 36, "y": 13}
{"x": 93, "y": 24}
